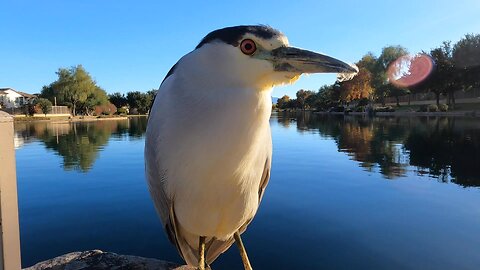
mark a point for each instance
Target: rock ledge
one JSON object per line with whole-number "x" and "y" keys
{"x": 99, "y": 260}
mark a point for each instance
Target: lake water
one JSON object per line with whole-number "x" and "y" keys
{"x": 345, "y": 193}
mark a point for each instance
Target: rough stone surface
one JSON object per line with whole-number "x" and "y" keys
{"x": 99, "y": 260}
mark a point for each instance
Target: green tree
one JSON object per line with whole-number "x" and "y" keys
{"x": 311, "y": 101}
{"x": 151, "y": 98}
{"x": 302, "y": 96}
{"x": 368, "y": 62}
{"x": 152, "y": 93}
{"x": 466, "y": 57}
{"x": 97, "y": 97}
{"x": 44, "y": 104}
{"x": 118, "y": 99}
{"x": 283, "y": 102}
{"x": 328, "y": 96}
{"x": 140, "y": 101}
{"x": 397, "y": 92}
{"x": 381, "y": 84}
{"x": 442, "y": 80}
{"x": 74, "y": 87}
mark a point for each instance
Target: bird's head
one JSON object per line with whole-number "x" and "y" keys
{"x": 259, "y": 57}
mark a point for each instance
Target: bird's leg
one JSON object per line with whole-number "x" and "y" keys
{"x": 243, "y": 252}
{"x": 201, "y": 253}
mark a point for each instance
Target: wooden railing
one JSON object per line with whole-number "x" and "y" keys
{"x": 9, "y": 230}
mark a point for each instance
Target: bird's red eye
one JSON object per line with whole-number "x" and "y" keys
{"x": 248, "y": 46}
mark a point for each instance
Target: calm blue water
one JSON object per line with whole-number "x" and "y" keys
{"x": 345, "y": 193}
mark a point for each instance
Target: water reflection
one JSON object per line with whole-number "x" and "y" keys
{"x": 337, "y": 214}
{"x": 78, "y": 143}
{"x": 446, "y": 148}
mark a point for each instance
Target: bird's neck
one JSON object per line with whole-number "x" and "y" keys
{"x": 218, "y": 67}
{"x": 238, "y": 104}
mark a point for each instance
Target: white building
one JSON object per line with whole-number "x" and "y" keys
{"x": 11, "y": 98}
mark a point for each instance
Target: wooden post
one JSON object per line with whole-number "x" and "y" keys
{"x": 9, "y": 230}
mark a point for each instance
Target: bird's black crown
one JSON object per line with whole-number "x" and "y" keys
{"x": 232, "y": 35}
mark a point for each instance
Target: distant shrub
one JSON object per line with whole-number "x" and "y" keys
{"x": 133, "y": 111}
{"x": 443, "y": 107}
{"x": 360, "y": 109}
{"x": 28, "y": 109}
{"x": 385, "y": 109}
{"x": 363, "y": 102}
{"x": 423, "y": 108}
{"x": 44, "y": 105}
{"x": 122, "y": 110}
{"x": 105, "y": 109}
{"x": 337, "y": 109}
{"x": 432, "y": 108}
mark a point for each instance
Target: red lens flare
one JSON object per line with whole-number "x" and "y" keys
{"x": 410, "y": 70}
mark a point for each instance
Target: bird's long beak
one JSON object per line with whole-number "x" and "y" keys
{"x": 293, "y": 59}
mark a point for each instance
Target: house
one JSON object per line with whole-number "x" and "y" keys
{"x": 11, "y": 98}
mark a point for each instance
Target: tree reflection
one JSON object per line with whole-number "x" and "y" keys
{"x": 79, "y": 143}
{"x": 79, "y": 148}
{"x": 445, "y": 148}
{"x": 448, "y": 148}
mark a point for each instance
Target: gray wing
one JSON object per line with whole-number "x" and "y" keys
{"x": 156, "y": 185}
{"x": 156, "y": 177}
{"x": 265, "y": 177}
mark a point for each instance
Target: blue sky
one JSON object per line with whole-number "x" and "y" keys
{"x": 131, "y": 45}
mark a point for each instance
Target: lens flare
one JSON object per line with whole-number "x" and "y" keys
{"x": 410, "y": 70}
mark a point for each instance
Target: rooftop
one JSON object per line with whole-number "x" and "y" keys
{"x": 3, "y": 89}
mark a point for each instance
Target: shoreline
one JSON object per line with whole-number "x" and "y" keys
{"x": 395, "y": 114}
{"x": 58, "y": 119}
{"x": 408, "y": 114}
{"x": 63, "y": 119}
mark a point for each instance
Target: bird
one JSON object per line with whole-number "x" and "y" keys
{"x": 208, "y": 144}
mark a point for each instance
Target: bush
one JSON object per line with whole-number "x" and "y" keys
{"x": 360, "y": 109}
{"x": 432, "y": 108}
{"x": 443, "y": 107}
{"x": 28, "y": 109}
{"x": 363, "y": 102}
{"x": 423, "y": 108}
{"x": 337, "y": 109}
{"x": 122, "y": 110}
{"x": 385, "y": 109}
{"x": 44, "y": 104}
{"x": 105, "y": 109}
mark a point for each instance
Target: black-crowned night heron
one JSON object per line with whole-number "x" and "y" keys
{"x": 208, "y": 145}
